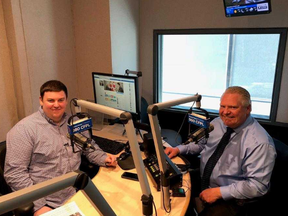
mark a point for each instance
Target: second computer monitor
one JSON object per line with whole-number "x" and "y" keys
{"x": 117, "y": 91}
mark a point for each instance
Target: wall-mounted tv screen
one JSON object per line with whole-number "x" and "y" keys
{"x": 246, "y": 7}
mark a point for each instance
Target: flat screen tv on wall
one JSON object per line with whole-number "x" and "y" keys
{"x": 234, "y": 8}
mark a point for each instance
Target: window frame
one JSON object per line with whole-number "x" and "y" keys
{"x": 157, "y": 54}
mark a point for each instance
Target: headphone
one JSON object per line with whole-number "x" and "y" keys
{"x": 79, "y": 115}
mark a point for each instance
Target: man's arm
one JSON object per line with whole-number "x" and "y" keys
{"x": 251, "y": 187}
{"x": 190, "y": 148}
{"x": 99, "y": 157}
{"x": 172, "y": 152}
{"x": 42, "y": 210}
{"x": 18, "y": 156}
{"x": 257, "y": 170}
{"x": 210, "y": 195}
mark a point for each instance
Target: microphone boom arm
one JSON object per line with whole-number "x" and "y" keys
{"x": 126, "y": 118}
{"x": 156, "y": 133}
{"x": 76, "y": 179}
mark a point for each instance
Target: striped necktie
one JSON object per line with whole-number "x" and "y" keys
{"x": 214, "y": 158}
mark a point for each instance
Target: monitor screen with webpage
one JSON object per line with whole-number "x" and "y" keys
{"x": 246, "y": 7}
{"x": 116, "y": 91}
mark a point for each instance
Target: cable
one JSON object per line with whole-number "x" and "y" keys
{"x": 185, "y": 117}
{"x": 155, "y": 208}
{"x": 79, "y": 115}
{"x": 164, "y": 203}
{"x": 140, "y": 134}
{"x": 186, "y": 186}
{"x": 72, "y": 123}
{"x": 71, "y": 110}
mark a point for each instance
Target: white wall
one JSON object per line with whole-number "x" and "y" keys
{"x": 64, "y": 40}
{"x": 17, "y": 46}
{"x": 49, "y": 39}
{"x": 124, "y": 17}
{"x": 48, "y": 32}
{"x": 187, "y": 14}
{"x": 42, "y": 47}
{"x": 92, "y": 41}
{"x": 8, "y": 110}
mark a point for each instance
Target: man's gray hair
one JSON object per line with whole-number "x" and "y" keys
{"x": 241, "y": 91}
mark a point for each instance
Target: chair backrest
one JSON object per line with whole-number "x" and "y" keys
{"x": 26, "y": 210}
{"x": 171, "y": 136}
{"x": 144, "y": 115}
{"x": 89, "y": 168}
{"x": 4, "y": 188}
{"x": 272, "y": 203}
{"x": 2, "y": 155}
{"x": 278, "y": 179}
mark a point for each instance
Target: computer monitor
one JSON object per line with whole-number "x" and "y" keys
{"x": 117, "y": 91}
{"x": 246, "y": 7}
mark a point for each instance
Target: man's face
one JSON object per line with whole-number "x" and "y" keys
{"x": 232, "y": 112}
{"x": 54, "y": 105}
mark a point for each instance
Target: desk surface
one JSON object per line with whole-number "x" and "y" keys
{"x": 124, "y": 196}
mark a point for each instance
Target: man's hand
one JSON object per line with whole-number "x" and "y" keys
{"x": 172, "y": 152}
{"x": 42, "y": 210}
{"x": 111, "y": 160}
{"x": 210, "y": 195}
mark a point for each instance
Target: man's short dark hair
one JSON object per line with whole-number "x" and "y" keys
{"x": 53, "y": 86}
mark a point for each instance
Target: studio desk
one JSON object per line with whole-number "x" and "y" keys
{"x": 123, "y": 195}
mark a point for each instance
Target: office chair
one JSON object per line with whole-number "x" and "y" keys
{"x": 279, "y": 179}
{"x": 272, "y": 203}
{"x": 5, "y": 189}
{"x": 170, "y": 136}
{"x": 89, "y": 168}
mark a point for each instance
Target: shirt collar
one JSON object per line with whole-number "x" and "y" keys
{"x": 247, "y": 122}
{"x": 63, "y": 119}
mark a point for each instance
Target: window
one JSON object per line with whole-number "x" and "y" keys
{"x": 208, "y": 61}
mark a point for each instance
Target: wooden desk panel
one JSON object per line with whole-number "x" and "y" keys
{"x": 123, "y": 195}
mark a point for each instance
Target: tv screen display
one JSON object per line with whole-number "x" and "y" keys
{"x": 246, "y": 7}
{"x": 116, "y": 91}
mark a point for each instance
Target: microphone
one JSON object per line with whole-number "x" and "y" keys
{"x": 82, "y": 141}
{"x": 79, "y": 125}
{"x": 76, "y": 127}
{"x": 199, "y": 120}
{"x": 199, "y": 134}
